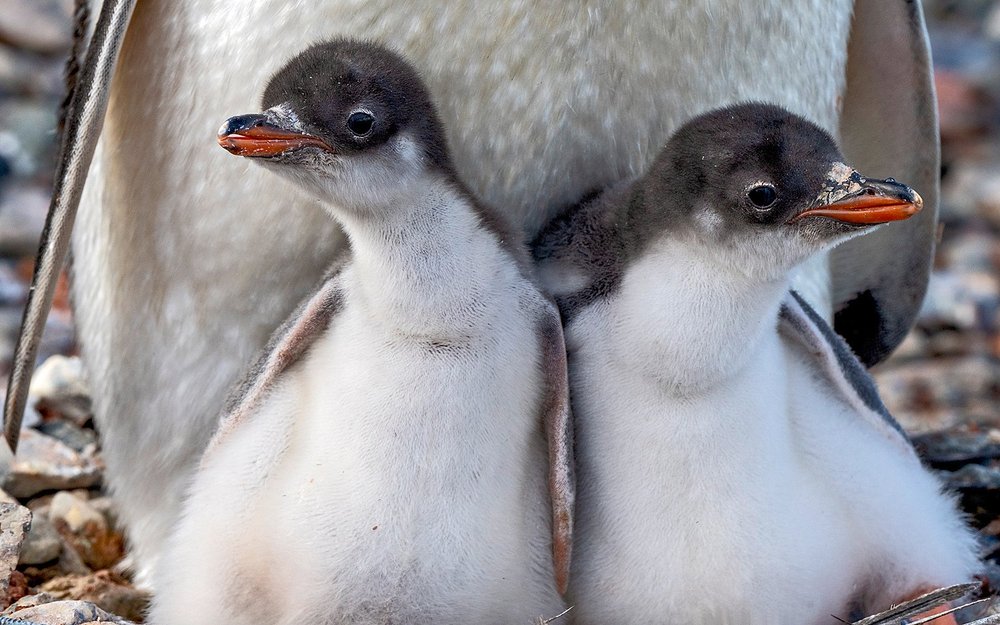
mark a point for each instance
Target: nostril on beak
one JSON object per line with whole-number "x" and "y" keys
{"x": 240, "y": 123}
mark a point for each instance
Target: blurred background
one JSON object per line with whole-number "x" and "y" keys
{"x": 943, "y": 383}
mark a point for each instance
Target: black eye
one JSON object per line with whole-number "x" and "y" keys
{"x": 360, "y": 123}
{"x": 762, "y": 196}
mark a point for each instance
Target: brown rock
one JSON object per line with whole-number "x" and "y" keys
{"x": 107, "y": 507}
{"x": 18, "y": 588}
{"x": 98, "y": 546}
{"x": 87, "y": 531}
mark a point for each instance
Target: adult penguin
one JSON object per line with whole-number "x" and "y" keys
{"x": 544, "y": 102}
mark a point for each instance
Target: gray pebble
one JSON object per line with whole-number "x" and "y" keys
{"x": 43, "y": 543}
{"x": 65, "y": 613}
{"x": 22, "y": 217}
{"x": 15, "y": 520}
{"x": 73, "y": 436}
{"x": 43, "y": 463}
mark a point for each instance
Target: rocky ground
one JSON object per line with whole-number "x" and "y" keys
{"x": 58, "y": 539}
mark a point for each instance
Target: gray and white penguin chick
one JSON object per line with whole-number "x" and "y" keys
{"x": 735, "y": 464}
{"x": 386, "y": 460}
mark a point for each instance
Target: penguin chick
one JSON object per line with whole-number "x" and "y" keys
{"x": 388, "y": 452}
{"x": 735, "y": 462}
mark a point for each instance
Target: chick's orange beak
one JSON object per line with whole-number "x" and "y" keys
{"x": 854, "y": 199}
{"x": 255, "y": 136}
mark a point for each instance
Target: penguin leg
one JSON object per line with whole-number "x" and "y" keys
{"x": 558, "y": 424}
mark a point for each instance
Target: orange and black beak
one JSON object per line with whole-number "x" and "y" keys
{"x": 854, "y": 199}
{"x": 257, "y": 136}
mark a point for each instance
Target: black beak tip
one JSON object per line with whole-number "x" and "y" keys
{"x": 890, "y": 188}
{"x": 240, "y": 123}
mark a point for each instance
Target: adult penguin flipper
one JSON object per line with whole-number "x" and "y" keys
{"x": 558, "y": 424}
{"x": 288, "y": 345}
{"x": 87, "y": 106}
{"x": 888, "y": 127}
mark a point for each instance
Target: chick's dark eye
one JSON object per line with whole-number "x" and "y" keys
{"x": 762, "y": 196}
{"x": 360, "y": 123}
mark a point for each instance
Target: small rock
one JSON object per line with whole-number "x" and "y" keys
{"x": 80, "y": 493}
{"x": 22, "y": 217}
{"x": 955, "y": 447}
{"x": 107, "y": 507}
{"x": 965, "y": 300}
{"x": 18, "y": 587}
{"x": 15, "y": 520}
{"x": 64, "y": 613}
{"x": 43, "y": 543}
{"x": 87, "y": 531}
{"x": 70, "y": 562}
{"x": 75, "y": 512}
{"x": 979, "y": 485}
{"x": 43, "y": 463}
{"x": 973, "y": 189}
{"x": 27, "y": 135}
{"x": 974, "y": 476}
{"x": 13, "y": 292}
{"x": 105, "y": 589}
{"x": 951, "y": 343}
{"x": 41, "y": 27}
{"x": 969, "y": 249}
{"x": 70, "y": 434}
{"x": 40, "y": 504}
{"x": 59, "y": 386}
{"x": 6, "y": 498}
{"x": 28, "y": 601}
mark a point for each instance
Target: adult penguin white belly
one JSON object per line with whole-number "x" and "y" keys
{"x": 176, "y": 287}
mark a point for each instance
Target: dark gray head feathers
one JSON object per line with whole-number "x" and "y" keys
{"x": 716, "y": 158}
{"x": 330, "y": 82}
{"x": 710, "y": 164}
